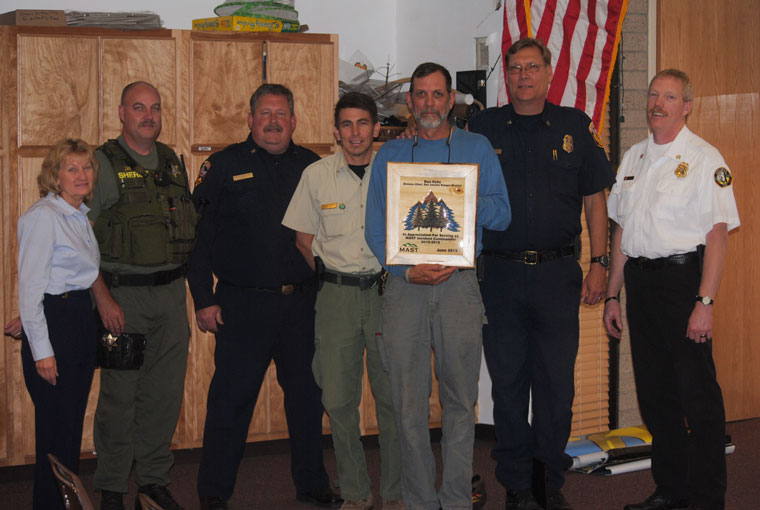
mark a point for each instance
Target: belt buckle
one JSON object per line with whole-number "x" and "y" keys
{"x": 287, "y": 290}
{"x": 530, "y": 258}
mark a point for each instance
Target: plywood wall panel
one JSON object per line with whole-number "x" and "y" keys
{"x": 58, "y": 89}
{"x": 718, "y": 45}
{"x": 221, "y": 106}
{"x": 308, "y": 70}
{"x": 126, "y": 60}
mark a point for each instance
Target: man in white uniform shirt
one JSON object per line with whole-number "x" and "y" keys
{"x": 327, "y": 213}
{"x": 674, "y": 205}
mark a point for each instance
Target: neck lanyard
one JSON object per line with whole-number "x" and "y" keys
{"x": 448, "y": 144}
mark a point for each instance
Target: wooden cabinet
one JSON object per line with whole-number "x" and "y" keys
{"x": 66, "y": 82}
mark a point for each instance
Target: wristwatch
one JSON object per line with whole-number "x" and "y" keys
{"x": 604, "y": 260}
{"x": 705, "y": 300}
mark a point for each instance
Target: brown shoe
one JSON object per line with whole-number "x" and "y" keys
{"x": 393, "y": 504}
{"x": 362, "y": 504}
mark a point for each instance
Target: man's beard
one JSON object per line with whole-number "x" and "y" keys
{"x": 427, "y": 122}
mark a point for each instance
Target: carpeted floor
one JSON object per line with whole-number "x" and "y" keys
{"x": 264, "y": 480}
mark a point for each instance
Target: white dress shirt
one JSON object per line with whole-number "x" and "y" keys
{"x": 667, "y": 202}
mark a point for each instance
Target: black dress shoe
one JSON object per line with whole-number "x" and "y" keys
{"x": 522, "y": 500}
{"x": 110, "y": 500}
{"x": 213, "y": 503}
{"x": 323, "y": 497}
{"x": 160, "y": 495}
{"x": 556, "y": 501}
{"x": 659, "y": 502}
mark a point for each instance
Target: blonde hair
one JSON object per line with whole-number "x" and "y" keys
{"x": 688, "y": 91}
{"x": 47, "y": 180}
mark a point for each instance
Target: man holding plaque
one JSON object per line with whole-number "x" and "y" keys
{"x": 553, "y": 163}
{"x": 433, "y": 305}
{"x": 327, "y": 213}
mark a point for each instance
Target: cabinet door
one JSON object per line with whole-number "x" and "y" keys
{"x": 225, "y": 72}
{"x": 58, "y": 89}
{"x": 309, "y": 70}
{"x": 129, "y": 59}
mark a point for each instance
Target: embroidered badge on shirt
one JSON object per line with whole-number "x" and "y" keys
{"x": 723, "y": 177}
{"x": 128, "y": 173}
{"x": 242, "y": 177}
{"x": 681, "y": 170}
{"x": 205, "y": 168}
{"x": 567, "y": 143}
{"x": 595, "y": 134}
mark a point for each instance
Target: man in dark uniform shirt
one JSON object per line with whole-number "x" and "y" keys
{"x": 553, "y": 163}
{"x": 263, "y": 305}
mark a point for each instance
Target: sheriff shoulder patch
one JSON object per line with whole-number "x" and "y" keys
{"x": 205, "y": 168}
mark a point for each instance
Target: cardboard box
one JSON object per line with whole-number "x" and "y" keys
{"x": 34, "y": 17}
{"x": 237, "y": 24}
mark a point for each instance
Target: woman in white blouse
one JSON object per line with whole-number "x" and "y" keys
{"x": 57, "y": 264}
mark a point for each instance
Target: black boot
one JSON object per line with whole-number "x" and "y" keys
{"x": 111, "y": 500}
{"x": 160, "y": 495}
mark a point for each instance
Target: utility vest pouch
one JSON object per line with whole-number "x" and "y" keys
{"x": 153, "y": 223}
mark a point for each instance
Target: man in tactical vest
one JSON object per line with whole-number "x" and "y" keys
{"x": 145, "y": 225}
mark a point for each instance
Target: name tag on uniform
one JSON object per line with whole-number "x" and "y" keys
{"x": 242, "y": 177}
{"x": 628, "y": 178}
{"x": 330, "y": 206}
{"x": 497, "y": 151}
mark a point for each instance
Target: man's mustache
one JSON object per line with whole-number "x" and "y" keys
{"x": 272, "y": 127}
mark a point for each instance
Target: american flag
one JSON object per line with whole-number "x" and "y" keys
{"x": 583, "y": 36}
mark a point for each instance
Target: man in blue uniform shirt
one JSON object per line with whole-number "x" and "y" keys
{"x": 429, "y": 305}
{"x": 553, "y": 163}
{"x": 263, "y": 305}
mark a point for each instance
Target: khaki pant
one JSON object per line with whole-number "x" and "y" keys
{"x": 346, "y": 325}
{"x": 138, "y": 409}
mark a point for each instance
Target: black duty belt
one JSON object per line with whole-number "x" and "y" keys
{"x": 285, "y": 289}
{"x": 531, "y": 257}
{"x": 673, "y": 260}
{"x": 363, "y": 282}
{"x": 117, "y": 279}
